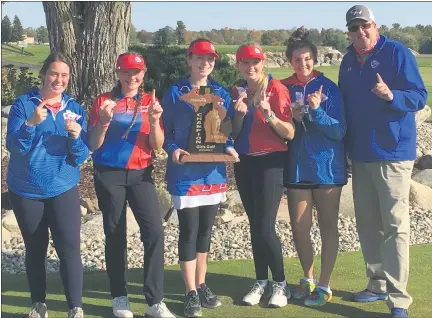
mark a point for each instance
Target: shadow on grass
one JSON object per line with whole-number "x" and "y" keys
{"x": 14, "y": 49}
{"x": 97, "y": 298}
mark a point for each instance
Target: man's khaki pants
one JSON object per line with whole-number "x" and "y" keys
{"x": 381, "y": 202}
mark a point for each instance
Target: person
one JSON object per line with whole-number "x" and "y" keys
{"x": 124, "y": 130}
{"x": 382, "y": 89}
{"x": 315, "y": 169}
{"x": 261, "y": 124}
{"x": 196, "y": 188}
{"x": 45, "y": 139}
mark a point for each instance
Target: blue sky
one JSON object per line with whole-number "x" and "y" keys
{"x": 152, "y": 16}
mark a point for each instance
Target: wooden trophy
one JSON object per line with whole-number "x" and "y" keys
{"x": 210, "y": 127}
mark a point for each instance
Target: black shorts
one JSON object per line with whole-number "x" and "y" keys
{"x": 306, "y": 185}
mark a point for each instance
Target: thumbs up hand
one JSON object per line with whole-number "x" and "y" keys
{"x": 382, "y": 90}
{"x": 155, "y": 110}
{"x": 314, "y": 100}
{"x": 39, "y": 114}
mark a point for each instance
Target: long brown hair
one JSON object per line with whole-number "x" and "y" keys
{"x": 116, "y": 92}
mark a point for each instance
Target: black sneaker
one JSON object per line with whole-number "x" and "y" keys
{"x": 192, "y": 306}
{"x": 207, "y": 298}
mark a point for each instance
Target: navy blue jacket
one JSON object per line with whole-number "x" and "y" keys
{"x": 317, "y": 155}
{"x": 377, "y": 129}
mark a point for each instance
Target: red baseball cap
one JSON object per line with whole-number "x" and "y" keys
{"x": 129, "y": 61}
{"x": 249, "y": 52}
{"x": 202, "y": 47}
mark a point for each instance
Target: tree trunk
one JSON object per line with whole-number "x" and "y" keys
{"x": 92, "y": 35}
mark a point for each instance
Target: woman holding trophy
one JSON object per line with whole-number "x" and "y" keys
{"x": 315, "y": 171}
{"x": 261, "y": 125}
{"x": 196, "y": 188}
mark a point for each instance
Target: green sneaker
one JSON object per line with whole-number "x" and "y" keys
{"x": 317, "y": 298}
{"x": 303, "y": 289}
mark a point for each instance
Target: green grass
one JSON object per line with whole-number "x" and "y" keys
{"x": 33, "y": 54}
{"x": 231, "y": 280}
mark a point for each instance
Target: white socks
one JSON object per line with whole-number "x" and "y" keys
{"x": 324, "y": 288}
{"x": 310, "y": 280}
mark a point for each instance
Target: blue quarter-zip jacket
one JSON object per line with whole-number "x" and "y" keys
{"x": 317, "y": 154}
{"x": 177, "y": 119}
{"x": 377, "y": 129}
{"x": 44, "y": 161}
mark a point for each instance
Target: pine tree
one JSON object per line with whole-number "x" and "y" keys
{"x": 6, "y": 29}
{"x": 17, "y": 30}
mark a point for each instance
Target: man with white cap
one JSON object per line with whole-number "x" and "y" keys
{"x": 382, "y": 89}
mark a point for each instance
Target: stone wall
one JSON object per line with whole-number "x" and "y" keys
{"x": 327, "y": 56}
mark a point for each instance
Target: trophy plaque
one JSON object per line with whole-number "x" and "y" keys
{"x": 210, "y": 127}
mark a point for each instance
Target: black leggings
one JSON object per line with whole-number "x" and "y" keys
{"x": 195, "y": 230}
{"x": 113, "y": 187}
{"x": 260, "y": 184}
{"x": 62, "y": 215}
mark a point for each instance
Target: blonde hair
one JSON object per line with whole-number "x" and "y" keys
{"x": 262, "y": 82}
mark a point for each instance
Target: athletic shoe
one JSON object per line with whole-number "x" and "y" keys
{"x": 397, "y": 312}
{"x": 192, "y": 305}
{"x": 207, "y": 298}
{"x": 317, "y": 298}
{"x": 254, "y": 296}
{"x": 303, "y": 289}
{"x": 367, "y": 296}
{"x": 121, "y": 307}
{"x": 76, "y": 312}
{"x": 158, "y": 310}
{"x": 279, "y": 296}
{"x": 39, "y": 310}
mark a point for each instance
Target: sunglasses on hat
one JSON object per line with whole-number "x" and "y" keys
{"x": 355, "y": 28}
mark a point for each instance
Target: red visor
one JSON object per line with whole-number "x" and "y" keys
{"x": 201, "y": 48}
{"x": 249, "y": 52}
{"x": 129, "y": 61}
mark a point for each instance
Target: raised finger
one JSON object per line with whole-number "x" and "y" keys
{"x": 320, "y": 91}
{"x": 379, "y": 79}
{"x": 153, "y": 96}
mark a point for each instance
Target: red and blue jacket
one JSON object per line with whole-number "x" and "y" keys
{"x": 377, "y": 129}
{"x": 190, "y": 178}
{"x": 256, "y": 136}
{"x": 134, "y": 152}
{"x": 317, "y": 154}
{"x": 44, "y": 160}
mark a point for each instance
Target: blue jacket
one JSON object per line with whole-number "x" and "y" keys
{"x": 44, "y": 161}
{"x": 317, "y": 155}
{"x": 378, "y": 129}
{"x": 177, "y": 119}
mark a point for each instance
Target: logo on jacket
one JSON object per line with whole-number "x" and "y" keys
{"x": 349, "y": 69}
{"x": 375, "y": 64}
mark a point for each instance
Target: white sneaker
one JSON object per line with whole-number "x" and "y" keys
{"x": 39, "y": 310}
{"x": 76, "y": 312}
{"x": 279, "y": 297}
{"x": 158, "y": 310}
{"x": 121, "y": 307}
{"x": 254, "y": 296}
